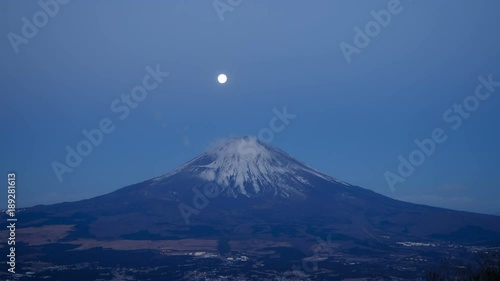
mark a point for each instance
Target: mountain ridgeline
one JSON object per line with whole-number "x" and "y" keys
{"x": 245, "y": 196}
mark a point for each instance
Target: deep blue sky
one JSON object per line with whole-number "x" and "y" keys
{"x": 353, "y": 119}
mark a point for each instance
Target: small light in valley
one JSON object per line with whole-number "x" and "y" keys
{"x": 222, "y": 78}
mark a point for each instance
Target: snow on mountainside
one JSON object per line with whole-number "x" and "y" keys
{"x": 248, "y": 167}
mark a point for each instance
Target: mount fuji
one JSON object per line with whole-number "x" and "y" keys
{"x": 246, "y": 196}
{"x": 246, "y": 167}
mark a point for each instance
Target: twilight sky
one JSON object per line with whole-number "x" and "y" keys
{"x": 358, "y": 107}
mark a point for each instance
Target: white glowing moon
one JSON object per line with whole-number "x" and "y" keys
{"x": 222, "y": 78}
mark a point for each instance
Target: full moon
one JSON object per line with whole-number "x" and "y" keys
{"x": 222, "y": 78}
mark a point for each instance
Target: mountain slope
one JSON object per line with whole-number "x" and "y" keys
{"x": 256, "y": 201}
{"x": 242, "y": 179}
{"x": 247, "y": 167}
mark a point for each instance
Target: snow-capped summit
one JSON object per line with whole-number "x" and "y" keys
{"x": 246, "y": 166}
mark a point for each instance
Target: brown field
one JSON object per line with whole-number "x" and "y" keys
{"x": 51, "y": 234}
{"x": 174, "y": 245}
{"x": 35, "y": 236}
